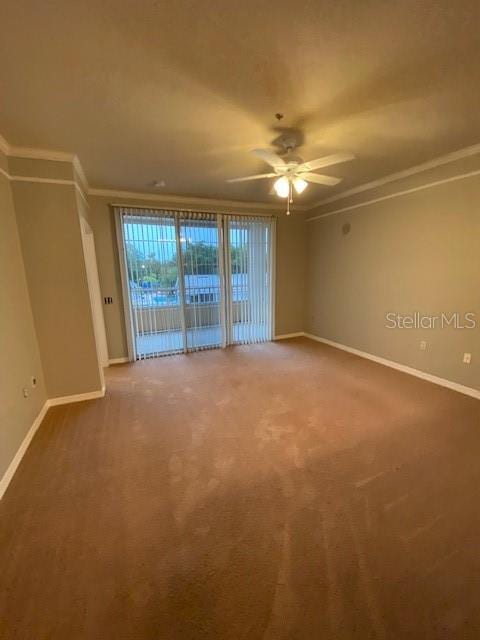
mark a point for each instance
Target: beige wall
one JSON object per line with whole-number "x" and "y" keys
{"x": 19, "y": 350}
{"x": 45, "y": 169}
{"x": 49, "y": 227}
{"x": 415, "y": 252}
{"x": 290, "y": 273}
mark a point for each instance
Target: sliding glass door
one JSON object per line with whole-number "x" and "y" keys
{"x": 195, "y": 280}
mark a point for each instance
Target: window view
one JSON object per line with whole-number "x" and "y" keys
{"x": 152, "y": 264}
{"x": 151, "y": 250}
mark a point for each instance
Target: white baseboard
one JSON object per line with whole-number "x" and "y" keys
{"x": 118, "y": 360}
{"x": 455, "y": 386}
{"x": 285, "y": 336}
{"x": 79, "y": 397}
{"x": 52, "y": 402}
{"x": 12, "y": 467}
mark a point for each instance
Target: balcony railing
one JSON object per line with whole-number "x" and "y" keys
{"x": 153, "y": 296}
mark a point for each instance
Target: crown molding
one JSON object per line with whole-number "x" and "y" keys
{"x": 82, "y": 192}
{"x": 42, "y": 180}
{"x": 41, "y": 154}
{"x": 4, "y": 146}
{"x": 396, "y": 194}
{"x": 47, "y": 154}
{"x": 447, "y": 158}
{"x": 80, "y": 173}
{"x": 187, "y": 200}
{"x": 60, "y": 181}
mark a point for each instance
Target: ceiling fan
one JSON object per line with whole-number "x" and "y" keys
{"x": 292, "y": 173}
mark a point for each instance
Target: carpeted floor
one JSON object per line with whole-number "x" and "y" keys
{"x": 279, "y": 491}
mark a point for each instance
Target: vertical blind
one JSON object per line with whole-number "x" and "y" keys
{"x": 203, "y": 294}
{"x": 249, "y": 259}
{"x": 195, "y": 280}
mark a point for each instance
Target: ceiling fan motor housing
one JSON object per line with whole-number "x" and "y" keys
{"x": 288, "y": 140}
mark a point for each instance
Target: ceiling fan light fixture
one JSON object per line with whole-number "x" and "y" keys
{"x": 300, "y": 185}
{"x": 282, "y": 187}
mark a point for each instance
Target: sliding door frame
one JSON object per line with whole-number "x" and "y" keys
{"x": 224, "y": 289}
{"x": 273, "y": 275}
{"x": 127, "y": 303}
{"x": 227, "y": 267}
{"x": 224, "y": 266}
{"x": 181, "y": 283}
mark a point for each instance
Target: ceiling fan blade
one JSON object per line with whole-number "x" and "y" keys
{"x": 269, "y": 157}
{"x": 318, "y": 178}
{"x": 259, "y": 176}
{"x": 326, "y": 161}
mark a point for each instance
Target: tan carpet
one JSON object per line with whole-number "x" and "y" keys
{"x": 280, "y": 491}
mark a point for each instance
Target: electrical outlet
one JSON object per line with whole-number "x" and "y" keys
{"x": 25, "y": 392}
{"x": 423, "y": 345}
{"x": 33, "y": 381}
{"x": 467, "y": 358}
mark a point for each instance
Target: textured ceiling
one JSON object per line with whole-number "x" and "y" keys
{"x": 181, "y": 91}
